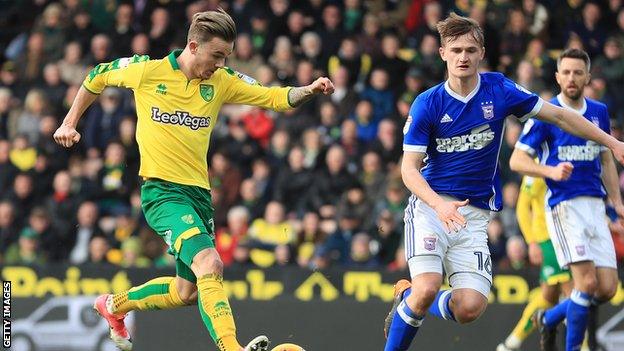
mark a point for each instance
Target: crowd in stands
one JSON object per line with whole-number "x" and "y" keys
{"x": 314, "y": 187}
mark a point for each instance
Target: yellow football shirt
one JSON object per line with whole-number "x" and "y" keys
{"x": 176, "y": 115}
{"x": 530, "y": 210}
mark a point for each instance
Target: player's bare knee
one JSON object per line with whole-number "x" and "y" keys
{"x": 207, "y": 262}
{"x": 587, "y": 284}
{"x": 422, "y": 297}
{"x": 468, "y": 311}
{"x": 606, "y": 292}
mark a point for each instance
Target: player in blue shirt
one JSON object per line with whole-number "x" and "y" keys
{"x": 456, "y": 129}
{"x": 579, "y": 174}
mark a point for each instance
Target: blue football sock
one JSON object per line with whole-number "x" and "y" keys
{"x": 554, "y": 316}
{"x": 578, "y": 309}
{"x": 440, "y": 306}
{"x": 403, "y": 328}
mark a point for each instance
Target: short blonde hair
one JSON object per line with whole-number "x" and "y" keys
{"x": 455, "y": 26}
{"x": 209, "y": 24}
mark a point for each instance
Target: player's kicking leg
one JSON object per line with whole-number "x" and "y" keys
{"x": 411, "y": 305}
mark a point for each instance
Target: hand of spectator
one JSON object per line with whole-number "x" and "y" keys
{"x": 561, "y": 172}
{"x": 322, "y": 85}
{"x": 447, "y": 212}
{"x": 66, "y": 135}
{"x": 535, "y": 254}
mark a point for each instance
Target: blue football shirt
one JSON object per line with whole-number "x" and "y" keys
{"x": 552, "y": 146}
{"x": 462, "y": 136}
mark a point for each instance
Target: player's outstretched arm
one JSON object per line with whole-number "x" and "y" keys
{"x": 611, "y": 182}
{"x": 574, "y": 123}
{"x": 523, "y": 163}
{"x": 451, "y": 219}
{"x": 66, "y": 135}
{"x": 299, "y": 95}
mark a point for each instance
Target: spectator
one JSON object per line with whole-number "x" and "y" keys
{"x": 330, "y": 182}
{"x": 365, "y": 121}
{"x": 115, "y": 180}
{"x": 7, "y": 169}
{"x": 32, "y": 60}
{"x": 250, "y": 198}
{"x": 23, "y": 155}
{"x": 52, "y": 28}
{"x": 82, "y": 30}
{"x": 27, "y": 250}
{"x": 514, "y": 40}
{"x": 99, "y": 249}
{"x": 537, "y": 17}
{"x": 312, "y": 148}
{"x": 27, "y": 122}
{"x": 360, "y": 254}
{"x": 8, "y": 226}
{"x": 160, "y": 32}
{"x": 309, "y": 239}
{"x": 53, "y": 87}
{"x": 100, "y": 50}
{"x": 293, "y": 182}
{"x": 123, "y": 31}
{"x": 368, "y": 40}
{"x": 283, "y": 59}
{"x": 516, "y": 258}
{"x": 140, "y": 44}
{"x": 387, "y": 237}
{"x": 330, "y": 30}
{"x": 268, "y": 233}
{"x": 6, "y": 106}
{"x": 229, "y": 237}
{"x": 244, "y": 59}
{"x": 349, "y": 56}
{"x": 590, "y": 29}
{"x": 311, "y": 46}
{"x": 62, "y": 206}
{"x": 386, "y": 144}
{"x": 22, "y": 197}
{"x": 85, "y": 232}
{"x": 103, "y": 119}
{"x": 389, "y": 61}
{"x": 52, "y": 244}
{"x": 132, "y": 254}
{"x": 344, "y": 97}
{"x": 371, "y": 176}
{"x": 353, "y": 204}
{"x": 329, "y": 128}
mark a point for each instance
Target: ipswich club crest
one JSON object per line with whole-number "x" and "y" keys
{"x": 206, "y": 91}
{"x": 429, "y": 244}
{"x": 488, "y": 109}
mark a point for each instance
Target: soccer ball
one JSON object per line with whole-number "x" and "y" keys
{"x": 287, "y": 347}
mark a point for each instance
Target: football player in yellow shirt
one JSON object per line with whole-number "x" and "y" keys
{"x": 177, "y": 101}
{"x": 554, "y": 281}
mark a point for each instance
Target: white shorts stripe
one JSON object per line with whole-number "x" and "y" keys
{"x": 560, "y": 232}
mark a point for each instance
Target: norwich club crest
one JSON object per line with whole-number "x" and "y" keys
{"x": 206, "y": 91}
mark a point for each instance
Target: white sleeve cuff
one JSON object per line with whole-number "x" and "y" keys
{"x": 536, "y": 108}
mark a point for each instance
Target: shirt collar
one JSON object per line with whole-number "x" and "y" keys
{"x": 172, "y": 59}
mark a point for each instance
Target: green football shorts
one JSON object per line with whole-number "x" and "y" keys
{"x": 550, "y": 271}
{"x": 183, "y": 216}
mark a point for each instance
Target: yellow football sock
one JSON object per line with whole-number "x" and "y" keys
{"x": 216, "y": 312}
{"x": 157, "y": 294}
{"x": 525, "y": 325}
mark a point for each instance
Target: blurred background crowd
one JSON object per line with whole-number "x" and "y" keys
{"x": 315, "y": 187}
